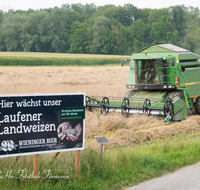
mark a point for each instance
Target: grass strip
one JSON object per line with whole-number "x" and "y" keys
{"x": 124, "y": 166}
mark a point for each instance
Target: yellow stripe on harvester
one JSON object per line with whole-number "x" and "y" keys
{"x": 191, "y": 83}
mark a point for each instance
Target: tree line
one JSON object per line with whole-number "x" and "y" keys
{"x": 105, "y": 29}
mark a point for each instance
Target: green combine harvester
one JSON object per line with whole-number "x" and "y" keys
{"x": 163, "y": 79}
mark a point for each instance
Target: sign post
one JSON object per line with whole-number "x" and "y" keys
{"x": 101, "y": 140}
{"x": 36, "y": 166}
{"x": 101, "y": 155}
{"x": 77, "y": 162}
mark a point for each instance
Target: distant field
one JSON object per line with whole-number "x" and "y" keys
{"x": 57, "y": 59}
{"x": 65, "y": 55}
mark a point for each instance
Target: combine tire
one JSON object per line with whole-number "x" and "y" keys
{"x": 197, "y": 105}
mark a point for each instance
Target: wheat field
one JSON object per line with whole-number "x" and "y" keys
{"x": 93, "y": 81}
{"x": 107, "y": 81}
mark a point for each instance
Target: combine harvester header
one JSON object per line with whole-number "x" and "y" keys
{"x": 163, "y": 78}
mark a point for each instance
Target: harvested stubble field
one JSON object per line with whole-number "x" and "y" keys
{"x": 107, "y": 81}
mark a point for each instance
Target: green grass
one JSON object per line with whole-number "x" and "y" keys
{"x": 51, "y": 59}
{"x": 124, "y": 166}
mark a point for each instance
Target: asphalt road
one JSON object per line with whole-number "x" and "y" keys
{"x": 187, "y": 178}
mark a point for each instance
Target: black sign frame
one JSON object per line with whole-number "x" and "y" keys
{"x": 34, "y": 123}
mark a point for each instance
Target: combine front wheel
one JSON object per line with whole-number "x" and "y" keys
{"x": 197, "y": 105}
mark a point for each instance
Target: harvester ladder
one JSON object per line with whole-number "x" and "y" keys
{"x": 162, "y": 77}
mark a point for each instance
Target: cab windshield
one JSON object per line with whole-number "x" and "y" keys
{"x": 146, "y": 72}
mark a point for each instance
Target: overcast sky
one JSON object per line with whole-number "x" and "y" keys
{"x": 5, "y": 5}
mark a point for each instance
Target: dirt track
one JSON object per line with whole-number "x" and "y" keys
{"x": 107, "y": 81}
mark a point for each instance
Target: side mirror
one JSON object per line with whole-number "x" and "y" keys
{"x": 123, "y": 62}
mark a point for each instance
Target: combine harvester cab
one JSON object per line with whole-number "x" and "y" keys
{"x": 163, "y": 79}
